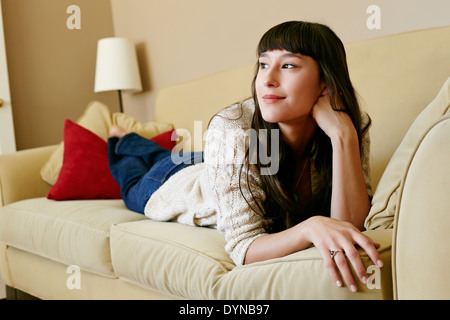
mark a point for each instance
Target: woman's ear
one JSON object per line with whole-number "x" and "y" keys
{"x": 323, "y": 88}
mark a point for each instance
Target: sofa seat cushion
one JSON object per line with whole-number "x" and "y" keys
{"x": 70, "y": 232}
{"x": 303, "y": 276}
{"x": 190, "y": 262}
{"x": 170, "y": 257}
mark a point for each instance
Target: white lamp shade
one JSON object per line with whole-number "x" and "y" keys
{"x": 117, "y": 66}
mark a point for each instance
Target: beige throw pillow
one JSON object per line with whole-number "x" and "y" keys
{"x": 385, "y": 199}
{"x": 98, "y": 119}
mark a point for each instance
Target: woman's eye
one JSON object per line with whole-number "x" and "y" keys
{"x": 288, "y": 66}
{"x": 263, "y": 65}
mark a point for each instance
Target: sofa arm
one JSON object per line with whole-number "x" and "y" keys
{"x": 20, "y": 176}
{"x": 421, "y": 240}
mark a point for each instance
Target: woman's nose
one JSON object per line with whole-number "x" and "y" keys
{"x": 271, "y": 79}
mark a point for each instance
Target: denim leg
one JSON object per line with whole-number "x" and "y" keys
{"x": 128, "y": 171}
{"x": 165, "y": 168}
{"x": 134, "y": 145}
{"x": 140, "y": 168}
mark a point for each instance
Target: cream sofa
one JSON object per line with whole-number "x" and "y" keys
{"x": 117, "y": 254}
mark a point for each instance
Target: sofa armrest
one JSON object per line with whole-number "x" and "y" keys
{"x": 20, "y": 176}
{"x": 421, "y": 240}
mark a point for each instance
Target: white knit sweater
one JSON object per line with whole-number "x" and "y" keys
{"x": 208, "y": 194}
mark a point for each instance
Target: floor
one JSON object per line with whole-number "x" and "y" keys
{"x": 15, "y": 294}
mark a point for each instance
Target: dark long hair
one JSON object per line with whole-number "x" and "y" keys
{"x": 320, "y": 43}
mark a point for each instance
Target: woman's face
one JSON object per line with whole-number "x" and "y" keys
{"x": 287, "y": 86}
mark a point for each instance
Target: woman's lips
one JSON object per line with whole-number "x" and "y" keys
{"x": 272, "y": 98}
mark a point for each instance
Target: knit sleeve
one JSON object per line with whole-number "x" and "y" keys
{"x": 224, "y": 154}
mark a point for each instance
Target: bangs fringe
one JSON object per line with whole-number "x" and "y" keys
{"x": 293, "y": 36}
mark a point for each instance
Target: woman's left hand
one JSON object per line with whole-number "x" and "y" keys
{"x": 336, "y": 241}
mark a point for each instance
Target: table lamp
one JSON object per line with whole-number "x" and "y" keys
{"x": 117, "y": 67}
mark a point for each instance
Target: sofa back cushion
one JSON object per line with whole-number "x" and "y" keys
{"x": 190, "y": 105}
{"x": 397, "y": 76}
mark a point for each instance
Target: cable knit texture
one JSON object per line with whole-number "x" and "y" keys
{"x": 209, "y": 194}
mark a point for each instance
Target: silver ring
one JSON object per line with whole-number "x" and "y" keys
{"x": 334, "y": 253}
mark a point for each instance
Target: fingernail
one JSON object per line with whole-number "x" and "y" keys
{"x": 380, "y": 263}
{"x": 364, "y": 280}
{"x": 338, "y": 283}
{"x": 353, "y": 288}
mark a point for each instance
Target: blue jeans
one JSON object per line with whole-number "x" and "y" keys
{"x": 140, "y": 166}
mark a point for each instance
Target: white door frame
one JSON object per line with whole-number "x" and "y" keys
{"x": 7, "y": 136}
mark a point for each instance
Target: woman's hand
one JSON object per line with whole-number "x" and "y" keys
{"x": 330, "y": 235}
{"x": 327, "y": 235}
{"x": 335, "y": 124}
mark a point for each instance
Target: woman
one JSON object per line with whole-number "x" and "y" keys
{"x": 320, "y": 193}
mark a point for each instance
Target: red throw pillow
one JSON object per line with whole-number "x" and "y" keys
{"x": 85, "y": 172}
{"x": 165, "y": 140}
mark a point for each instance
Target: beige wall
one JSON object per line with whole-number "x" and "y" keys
{"x": 182, "y": 40}
{"x": 52, "y": 68}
